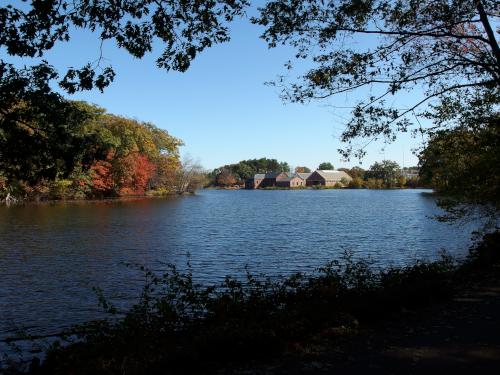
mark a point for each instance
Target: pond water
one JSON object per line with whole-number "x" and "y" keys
{"x": 52, "y": 255}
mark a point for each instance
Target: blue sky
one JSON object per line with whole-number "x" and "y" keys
{"x": 221, "y": 108}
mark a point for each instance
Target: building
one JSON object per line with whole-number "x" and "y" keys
{"x": 327, "y": 178}
{"x": 291, "y": 181}
{"x": 261, "y": 180}
{"x": 255, "y": 181}
{"x": 283, "y": 179}
{"x": 304, "y": 176}
{"x": 271, "y": 178}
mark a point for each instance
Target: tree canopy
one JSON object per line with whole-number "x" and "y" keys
{"x": 85, "y": 152}
{"x": 388, "y": 171}
{"x": 326, "y": 166}
{"x": 302, "y": 170}
{"x": 45, "y": 138}
{"x": 464, "y": 164}
{"x": 29, "y": 30}
{"x": 185, "y": 29}
{"x": 231, "y": 174}
{"x": 447, "y": 49}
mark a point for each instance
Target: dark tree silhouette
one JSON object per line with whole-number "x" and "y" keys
{"x": 447, "y": 48}
{"x": 326, "y": 166}
{"x": 30, "y": 30}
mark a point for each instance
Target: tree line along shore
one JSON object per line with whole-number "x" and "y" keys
{"x": 83, "y": 152}
{"x": 272, "y": 174}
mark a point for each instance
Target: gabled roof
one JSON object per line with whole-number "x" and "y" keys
{"x": 259, "y": 176}
{"x": 289, "y": 177}
{"x": 331, "y": 175}
{"x": 304, "y": 175}
{"x": 273, "y": 174}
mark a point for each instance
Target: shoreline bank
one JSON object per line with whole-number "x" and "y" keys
{"x": 34, "y": 202}
{"x": 258, "y": 320}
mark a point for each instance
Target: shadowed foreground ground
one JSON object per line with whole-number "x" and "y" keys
{"x": 428, "y": 318}
{"x": 459, "y": 336}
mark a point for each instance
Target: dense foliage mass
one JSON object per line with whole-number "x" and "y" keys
{"x": 50, "y": 147}
{"x": 464, "y": 165}
{"x": 326, "y": 166}
{"x": 85, "y": 152}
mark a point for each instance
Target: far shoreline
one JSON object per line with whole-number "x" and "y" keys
{"x": 132, "y": 198}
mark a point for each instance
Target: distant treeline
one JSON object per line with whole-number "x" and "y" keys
{"x": 84, "y": 152}
{"x": 236, "y": 174}
{"x": 381, "y": 175}
{"x": 386, "y": 174}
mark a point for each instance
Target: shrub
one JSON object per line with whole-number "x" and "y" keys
{"x": 183, "y": 326}
{"x": 356, "y": 183}
{"x": 374, "y": 183}
{"x": 61, "y": 189}
{"x": 158, "y": 192}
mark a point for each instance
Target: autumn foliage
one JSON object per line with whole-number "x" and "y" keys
{"x": 133, "y": 173}
{"x": 101, "y": 174}
{"x": 104, "y": 156}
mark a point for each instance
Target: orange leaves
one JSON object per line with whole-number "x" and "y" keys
{"x": 101, "y": 174}
{"x": 133, "y": 173}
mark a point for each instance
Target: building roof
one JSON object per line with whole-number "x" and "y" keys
{"x": 273, "y": 174}
{"x": 259, "y": 176}
{"x": 304, "y": 175}
{"x": 289, "y": 177}
{"x": 331, "y": 175}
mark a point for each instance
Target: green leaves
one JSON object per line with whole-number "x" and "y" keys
{"x": 85, "y": 78}
{"x": 97, "y": 153}
{"x": 186, "y": 28}
{"x": 463, "y": 165}
{"x": 386, "y": 48}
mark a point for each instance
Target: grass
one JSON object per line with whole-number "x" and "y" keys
{"x": 185, "y": 328}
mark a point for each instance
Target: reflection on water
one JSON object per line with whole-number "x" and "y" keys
{"x": 52, "y": 255}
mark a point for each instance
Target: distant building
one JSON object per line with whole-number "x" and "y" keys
{"x": 291, "y": 181}
{"x": 261, "y": 180}
{"x": 271, "y": 178}
{"x": 327, "y": 178}
{"x": 282, "y": 179}
{"x": 255, "y": 181}
{"x": 304, "y": 176}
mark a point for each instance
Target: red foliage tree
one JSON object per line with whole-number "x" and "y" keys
{"x": 133, "y": 173}
{"x": 101, "y": 174}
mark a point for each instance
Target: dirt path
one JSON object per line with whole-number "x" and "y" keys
{"x": 460, "y": 336}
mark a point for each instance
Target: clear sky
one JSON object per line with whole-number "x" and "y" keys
{"x": 221, "y": 108}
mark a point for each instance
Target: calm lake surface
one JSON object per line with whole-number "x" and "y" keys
{"x": 52, "y": 255}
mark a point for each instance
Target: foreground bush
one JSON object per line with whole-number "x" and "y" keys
{"x": 178, "y": 326}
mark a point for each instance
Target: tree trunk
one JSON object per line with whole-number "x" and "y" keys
{"x": 489, "y": 31}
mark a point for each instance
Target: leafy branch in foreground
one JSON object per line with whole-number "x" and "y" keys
{"x": 446, "y": 51}
{"x": 32, "y": 29}
{"x": 185, "y": 28}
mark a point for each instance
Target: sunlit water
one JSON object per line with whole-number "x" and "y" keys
{"x": 52, "y": 255}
